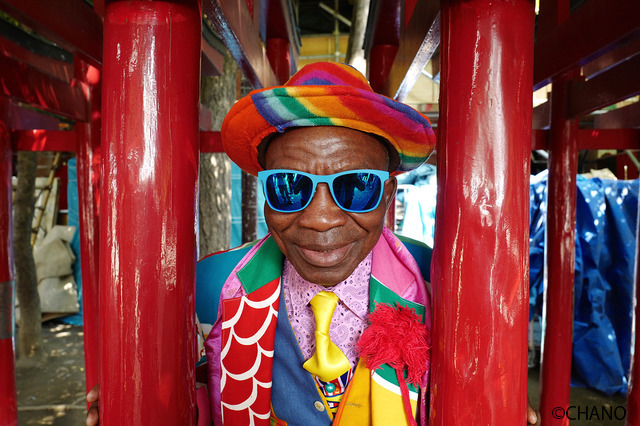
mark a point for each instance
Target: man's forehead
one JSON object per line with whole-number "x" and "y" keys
{"x": 318, "y": 135}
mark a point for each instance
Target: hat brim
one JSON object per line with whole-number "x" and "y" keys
{"x": 267, "y": 111}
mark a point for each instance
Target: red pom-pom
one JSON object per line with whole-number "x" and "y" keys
{"x": 396, "y": 337}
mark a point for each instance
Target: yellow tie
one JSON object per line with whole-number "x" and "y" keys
{"x": 328, "y": 362}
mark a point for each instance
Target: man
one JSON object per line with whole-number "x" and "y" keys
{"x": 326, "y": 232}
{"x": 291, "y": 308}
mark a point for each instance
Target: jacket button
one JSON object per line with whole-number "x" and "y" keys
{"x": 319, "y": 405}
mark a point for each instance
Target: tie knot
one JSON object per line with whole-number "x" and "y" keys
{"x": 324, "y": 300}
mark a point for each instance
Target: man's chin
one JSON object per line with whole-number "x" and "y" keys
{"x": 327, "y": 277}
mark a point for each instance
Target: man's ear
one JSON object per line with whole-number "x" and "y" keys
{"x": 390, "y": 188}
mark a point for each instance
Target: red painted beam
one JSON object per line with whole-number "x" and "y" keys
{"x": 233, "y": 22}
{"x": 608, "y": 139}
{"x": 148, "y": 212}
{"x": 593, "y": 139}
{"x": 621, "y": 118}
{"x": 71, "y": 24}
{"x": 539, "y": 140}
{"x": 24, "y": 118}
{"x": 555, "y": 371}
{"x": 278, "y": 52}
{"x": 617, "y": 84}
{"x": 280, "y": 26}
{"x": 58, "y": 69}
{"x": 610, "y": 59}
{"x": 210, "y": 142}
{"x": 385, "y": 41}
{"x": 31, "y": 86}
{"x": 480, "y": 268}
{"x": 211, "y": 55}
{"x": 596, "y": 27}
{"x": 552, "y": 14}
{"x": 88, "y": 176}
{"x": 291, "y": 35}
{"x": 277, "y": 44}
{"x": 541, "y": 116}
{"x": 8, "y": 400}
{"x": 44, "y": 140}
{"x": 98, "y": 7}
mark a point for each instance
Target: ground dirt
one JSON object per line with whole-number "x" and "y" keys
{"x": 53, "y": 392}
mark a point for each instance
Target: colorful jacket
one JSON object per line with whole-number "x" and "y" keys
{"x": 253, "y": 358}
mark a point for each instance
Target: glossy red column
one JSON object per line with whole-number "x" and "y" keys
{"x": 150, "y": 138}
{"x": 480, "y": 268}
{"x": 555, "y": 370}
{"x": 633, "y": 392}
{"x": 279, "y": 58}
{"x": 8, "y": 402}
{"x": 88, "y": 172}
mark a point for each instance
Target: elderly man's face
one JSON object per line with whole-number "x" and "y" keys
{"x": 323, "y": 242}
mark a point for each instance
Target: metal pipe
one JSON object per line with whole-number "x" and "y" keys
{"x": 336, "y": 30}
{"x": 633, "y": 158}
{"x": 557, "y": 318}
{"x": 480, "y": 267}
{"x": 148, "y": 212}
{"x": 355, "y": 48}
{"x": 334, "y": 12}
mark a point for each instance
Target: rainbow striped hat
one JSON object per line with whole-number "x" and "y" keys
{"x": 325, "y": 94}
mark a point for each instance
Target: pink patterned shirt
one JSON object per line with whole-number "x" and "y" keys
{"x": 349, "y": 319}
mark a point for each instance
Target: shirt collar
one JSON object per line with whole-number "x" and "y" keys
{"x": 353, "y": 292}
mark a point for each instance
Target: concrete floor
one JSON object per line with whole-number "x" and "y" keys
{"x": 585, "y": 400}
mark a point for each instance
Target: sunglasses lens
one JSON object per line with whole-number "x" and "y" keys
{"x": 358, "y": 192}
{"x": 288, "y": 192}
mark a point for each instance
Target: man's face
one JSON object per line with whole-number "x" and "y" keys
{"x": 323, "y": 242}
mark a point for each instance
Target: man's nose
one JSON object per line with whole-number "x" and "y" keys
{"x": 322, "y": 213}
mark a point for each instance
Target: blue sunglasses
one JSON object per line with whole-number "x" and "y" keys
{"x": 356, "y": 191}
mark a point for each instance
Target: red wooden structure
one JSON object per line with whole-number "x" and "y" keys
{"x": 131, "y": 88}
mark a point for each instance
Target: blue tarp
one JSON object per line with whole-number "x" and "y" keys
{"x": 236, "y": 208}
{"x": 73, "y": 220}
{"x": 606, "y": 212}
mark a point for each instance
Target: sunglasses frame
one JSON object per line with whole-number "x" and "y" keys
{"x": 328, "y": 179}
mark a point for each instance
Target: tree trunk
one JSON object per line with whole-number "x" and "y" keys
{"x": 218, "y": 94}
{"x": 30, "y": 322}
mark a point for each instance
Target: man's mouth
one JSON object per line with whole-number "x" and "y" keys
{"x": 324, "y": 257}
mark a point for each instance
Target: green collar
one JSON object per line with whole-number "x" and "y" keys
{"x": 263, "y": 267}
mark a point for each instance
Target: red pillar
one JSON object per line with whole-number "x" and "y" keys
{"x": 633, "y": 393}
{"x": 88, "y": 172}
{"x": 150, "y": 154}
{"x": 279, "y": 58}
{"x": 555, "y": 371}
{"x": 480, "y": 270}
{"x": 8, "y": 402}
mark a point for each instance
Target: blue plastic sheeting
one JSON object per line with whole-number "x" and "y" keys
{"x": 236, "y": 209}
{"x": 417, "y": 192}
{"x": 73, "y": 220}
{"x": 606, "y": 212}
